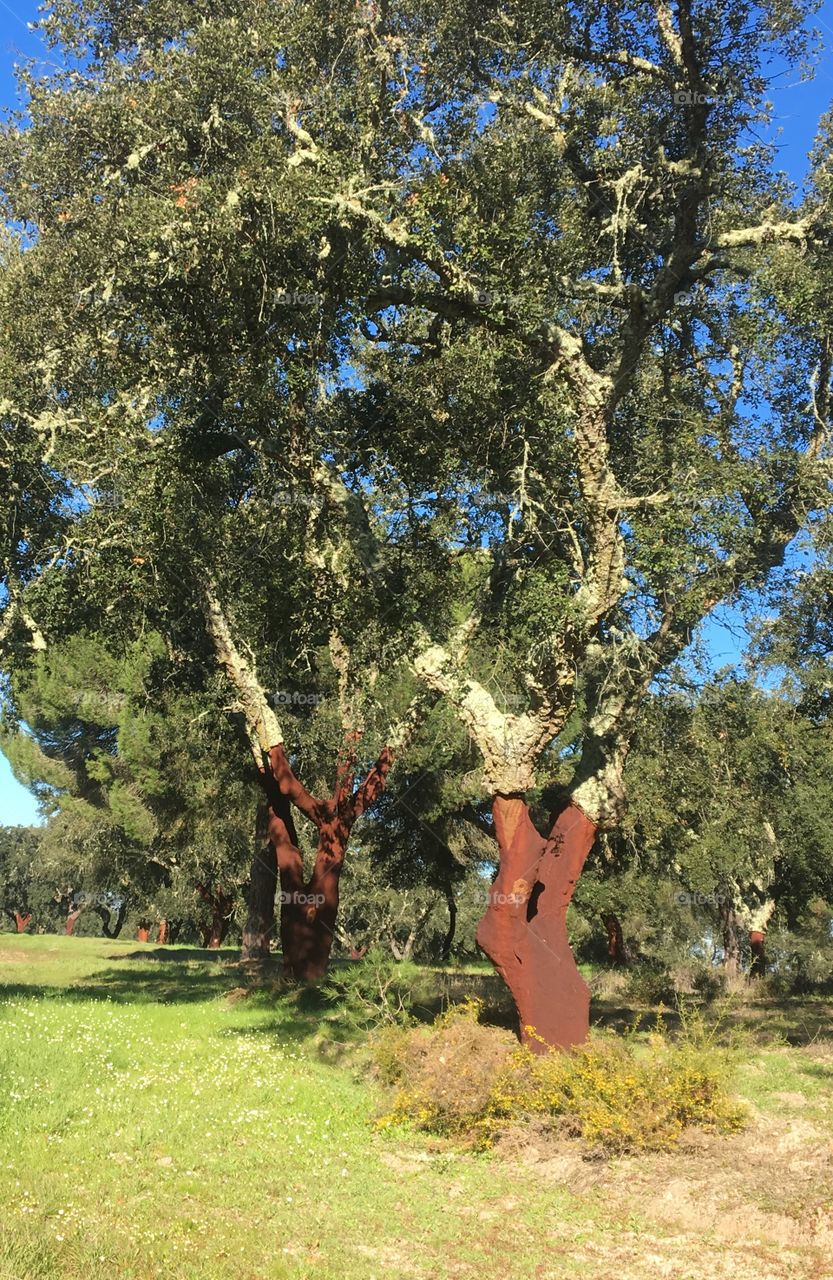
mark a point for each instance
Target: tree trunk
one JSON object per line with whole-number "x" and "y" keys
{"x": 143, "y": 933}
{"x": 162, "y": 933}
{"x": 22, "y": 922}
{"x": 260, "y": 919}
{"x": 524, "y": 930}
{"x": 617, "y": 952}
{"x": 72, "y": 920}
{"x": 109, "y": 927}
{"x": 448, "y": 940}
{"x": 309, "y": 909}
{"x": 222, "y": 910}
{"x": 756, "y": 943}
{"x": 731, "y": 939}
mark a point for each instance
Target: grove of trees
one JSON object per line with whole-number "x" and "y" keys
{"x": 390, "y": 394}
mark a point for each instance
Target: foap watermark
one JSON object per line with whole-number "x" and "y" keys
{"x": 285, "y": 498}
{"x": 700, "y": 899}
{"x": 692, "y": 98}
{"x": 296, "y": 698}
{"x": 517, "y": 896}
{"x": 485, "y": 298}
{"x": 297, "y": 298}
{"x": 299, "y": 899}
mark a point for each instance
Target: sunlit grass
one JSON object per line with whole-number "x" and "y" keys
{"x": 165, "y": 1130}
{"x": 162, "y": 1117}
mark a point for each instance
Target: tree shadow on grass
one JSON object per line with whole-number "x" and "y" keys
{"x": 182, "y": 977}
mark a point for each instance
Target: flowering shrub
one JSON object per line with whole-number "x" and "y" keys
{"x": 470, "y": 1082}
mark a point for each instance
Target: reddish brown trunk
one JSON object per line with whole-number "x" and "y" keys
{"x": 162, "y": 933}
{"x": 72, "y": 920}
{"x": 756, "y": 943}
{"x": 143, "y": 933}
{"x": 309, "y": 908}
{"x": 22, "y": 922}
{"x": 222, "y": 910}
{"x": 617, "y": 952}
{"x": 524, "y": 930}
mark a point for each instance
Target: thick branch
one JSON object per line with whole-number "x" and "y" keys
{"x": 292, "y": 788}
{"x": 261, "y": 720}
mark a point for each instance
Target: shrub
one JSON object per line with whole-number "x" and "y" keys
{"x": 800, "y": 962}
{"x": 376, "y": 991}
{"x": 650, "y": 982}
{"x": 465, "y": 1081}
{"x": 443, "y": 1076}
{"x": 708, "y": 982}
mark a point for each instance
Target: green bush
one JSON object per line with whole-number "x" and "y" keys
{"x": 376, "y": 991}
{"x": 708, "y": 981}
{"x": 469, "y": 1082}
{"x": 651, "y": 982}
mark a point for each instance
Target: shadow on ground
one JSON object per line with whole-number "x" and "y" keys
{"x": 185, "y": 975}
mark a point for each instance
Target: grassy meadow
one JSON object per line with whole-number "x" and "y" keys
{"x": 163, "y": 1116}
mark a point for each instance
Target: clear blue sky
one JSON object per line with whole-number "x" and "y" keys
{"x": 798, "y": 107}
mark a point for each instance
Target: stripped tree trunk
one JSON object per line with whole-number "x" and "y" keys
{"x": 72, "y": 920}
{"x": 524, "y": 930}
{"x": 162, "y": 933}
{"x": 22, "y": 922}
{"x": 222, "y": 910}
{"x": 309, "y": 907}
{"x": 758, "y": 918}
{"x": 756, "y": 943}
{"x": 617, "y": 952}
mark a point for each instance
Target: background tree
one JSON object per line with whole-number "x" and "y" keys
{"x": 18, "y": 892}
{"x": 112, "y": 748}
{"x": 556, "y": 389}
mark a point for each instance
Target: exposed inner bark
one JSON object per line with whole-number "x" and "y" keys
{"x": 524, "y": 930}
{"x": 72, "y": 919}
{"x": 617, "y": 952}
{"x": 263, "y": 882}
{"x": 222, "y": 910}
{"x": 756, "y": 944}
{"x": 162, "y": 933}
{"x": 309, "y": 907}
{"x": 22, "y": 922}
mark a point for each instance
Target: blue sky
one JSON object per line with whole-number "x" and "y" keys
{"x": 797, "y": 109}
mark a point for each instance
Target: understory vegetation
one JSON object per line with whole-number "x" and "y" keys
{"x": 165, "y": 1112}
{"x": 471, "y": 1081}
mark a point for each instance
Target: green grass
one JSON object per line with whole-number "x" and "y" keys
{"x": 156, "y": 1123}
{"x": 153, "y": 1127}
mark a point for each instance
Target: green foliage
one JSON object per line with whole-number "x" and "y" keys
{"x": 375, "y": 991}
{"x": 650, "y": 982}
{"x": 20, "y": 889}
{"x": 800, "y": 960}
